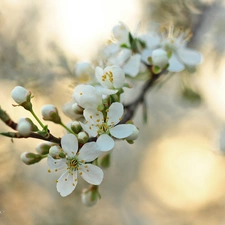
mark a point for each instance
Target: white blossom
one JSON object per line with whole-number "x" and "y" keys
{"x": 111, "y": 78}
{"x": 103, "y": 128}
{"x": 76, "y": 161}
{"x": 87, "y": 96}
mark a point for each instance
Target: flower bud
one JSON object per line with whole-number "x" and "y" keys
{"x": 43, "y": 148}
{"x": 159, "y": 58}
{"x": 83, "y": 70}
{"x": 55, "y": 151}
{"x": 24, "y": 127}
{"x": 22, "y": 97}
{"x": 30, "y": 158}
{"x": 50, "y": 112}
{"x": 134, "y": 134}
{"x": 77, "y": 109}
{"x": 90, "y": 196}
{"x": 82, "y": 137}
{"x": 75, "y": 127}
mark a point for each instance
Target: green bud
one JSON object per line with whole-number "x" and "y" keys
{"x": 82, "y": 137}
{"x": 30, "y": 158}
{"x": 43, "y": 148}
{"x": 76, "y": 127}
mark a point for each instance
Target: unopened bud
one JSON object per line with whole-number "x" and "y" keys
{"x": 55, "y": 151}
{"x": 75, "y": 127}
{"x": 30, "y": 158}
{"x": 134, "y": 134}
{"x": 22, "y": 97}
{"x": 83, "y": 70}
{"x": 77, "y": 109}
{"x": 82, "y": 137}
{"x": 160, "y": 58}
{"x": 50, "y": 112}
{"x": 90, "y": 196}
{"x": 43, "y": 148}
{"x": 24, "y": 127}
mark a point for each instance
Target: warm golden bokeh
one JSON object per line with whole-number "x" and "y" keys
{"x": 175, "y": 171}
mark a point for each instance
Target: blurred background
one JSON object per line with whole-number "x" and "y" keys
{"x": 174, "y": 174}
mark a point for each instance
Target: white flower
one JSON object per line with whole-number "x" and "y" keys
{"x": 104, "y": 128}
{"x": 24, "y": 127}
{"x": 75, "y": 162}
{"x": 182, "y": 56}
{"x": 87, "y": 96}
{"x": 20, "y": 94}
{"x": 112, "y": 77}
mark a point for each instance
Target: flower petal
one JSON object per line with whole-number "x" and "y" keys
{"x": 105, "y": 142}
{"x": 69, "y": 144}
{"x": 132, "y": 66}
{"x": 92, "y": 131}
{"x": 189, "y": 57}
{"x": 115, "y": 113}
{"x": 122, "y": 130}
{"x": 89, "y": 152}
{"x": 66, "y": 183}
{"x": 174, "y": 64}
{"x": 91, "y": 173}
{"x": 118, "y": 76}
{"x": 56, "y": 163}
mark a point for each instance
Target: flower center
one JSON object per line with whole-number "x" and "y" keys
{"x": 73, "y": 164}
{"x": 174, "y": 39}
{"x": 108, "y": 76}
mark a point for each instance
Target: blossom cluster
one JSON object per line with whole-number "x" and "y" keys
{"x": 98, "y": 116}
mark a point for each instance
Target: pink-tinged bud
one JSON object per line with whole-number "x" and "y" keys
{"x": 30, "y": 158}
{"x": 50, "y": 112}
{"x": 22, "y": 97}
{"x": 24, "y": 127}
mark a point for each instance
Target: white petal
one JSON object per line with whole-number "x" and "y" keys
{"x": 132, "y": 66}
{"x": 115, "y": 113}
{"x": 56, "y": 163}
{"x": 69, "y": 144}
{"x": 174, "y": 64}
{"x": 118, "y": 76}
{"x": 93, "y": 116}
{"x": 92, "y": 131}
{"x": 89, "y": 152}
{"x": 91, "y": 173}
{"x": 91, "y": 97}
{"x": 66, "y": 183}
{"x": 98, "y": 74}
{"x": 146, "y": 53}
{"x": 105, "y": 142}
{"x": 78, "y": 91}
{"x": 122, "y": 130}
{"x": 189, "y": 57}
